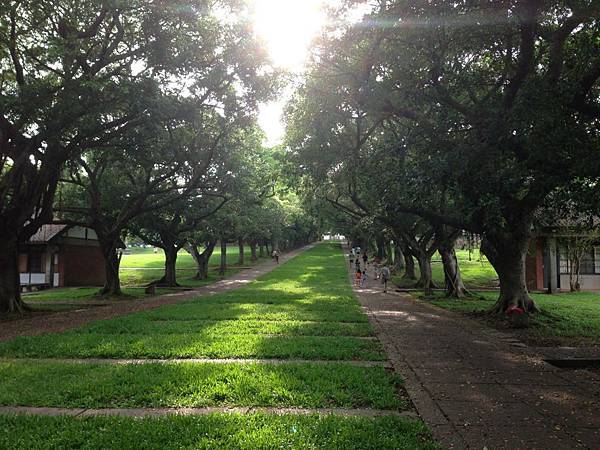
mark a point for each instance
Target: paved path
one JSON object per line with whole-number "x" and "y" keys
{"x": 479, "y": 388}
{"x": 62, "y": 321}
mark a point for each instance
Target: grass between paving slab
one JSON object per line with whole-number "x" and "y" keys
{"x": 78, "y": 385}
{"x": 218, "y": 431}
{"x": 193, "y": 345}
{"x": 311, "y": 287}
{"x": 303, "y": 309}
{"x": 144, "y": 325}
{"x": 566, "y": 317}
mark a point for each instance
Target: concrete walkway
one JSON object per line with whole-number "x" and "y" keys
{"x": 155, "y": 412}
{"x": 479, "y": 388}
{"x": 267, "y": 361}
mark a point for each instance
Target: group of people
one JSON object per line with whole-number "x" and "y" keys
{"x": 360, "y": 278}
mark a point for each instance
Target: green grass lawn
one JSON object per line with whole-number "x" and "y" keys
{"x": 82, "y": 293}
{"x": 477, "y": 272}
{"x": 565, "y": 317}
{"x": 142, "y": 266}
{"x": 196, "y": 385}
{"x": 197, "y": 345}
{"x": 140, "y": 269}
{"x": 146, "y": 258}
{"x": 216, "y": 431}
{"x": 304, "y": 309}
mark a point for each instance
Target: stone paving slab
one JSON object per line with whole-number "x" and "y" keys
{"x": 116, "y": 361}
{"x": 156, "y": 412}
{"x": 481, "y": 388}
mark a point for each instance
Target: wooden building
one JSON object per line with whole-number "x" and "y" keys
{"x": 61, "y": 255}
{"x": 547, "y": 263}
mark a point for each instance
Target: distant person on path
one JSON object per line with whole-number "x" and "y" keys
{"x": 276, "y": 256}
{"x": 357, "y": 263}
{"x": 365, "y": 258}
{"x": 377, "y": 270}
{"x": 385, "y": 277}
{"x": 357, "y": 277}
{"x": 363, "y": 279}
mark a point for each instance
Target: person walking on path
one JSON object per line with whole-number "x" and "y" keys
{"x": 365, "y": 258}
{"x": 363, "y": 279}
{"x": 357, "y": 263}
{"x": 377, "y": 270}
{"x": 357, "y": 277}
{"x": 385, "y": 277}
{"x": 276, "y": 256}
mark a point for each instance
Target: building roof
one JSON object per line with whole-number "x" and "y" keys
{"x": 50, "y": 231}
{"x": 46, "y": 233}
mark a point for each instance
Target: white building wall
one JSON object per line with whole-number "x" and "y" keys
{"x": 587, "y": 282}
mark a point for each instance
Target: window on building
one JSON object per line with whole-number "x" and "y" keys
{"x": 34, "y": 261}
{"x": 588, "y": 265}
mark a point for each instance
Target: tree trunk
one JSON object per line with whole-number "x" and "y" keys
{"x": 201, "y": 259}
{"x": 409, "y": 261}
{"x": 267, "y": 249}
{"x": 170, "y": 277}
{"x": 223, "y": 265}
{"x": 112, "y": 261}
{"x": 399, "y": 263}
{"x": 241, "y": 252}
{"x": 10, "y": 285}
{"x": 425, "y": 280}
{"x": 253, "y": 251}
{"x": 388, "y": 252}
{"x": 507, "y": 255}
{"x": 453, "y": 279}
{"x": 261, "y": 251}
{"x": 380, "y": 244}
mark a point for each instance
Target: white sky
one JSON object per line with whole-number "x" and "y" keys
{"x": 287, "y": 27}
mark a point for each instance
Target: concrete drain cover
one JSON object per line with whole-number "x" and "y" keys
{"x": 575, "y": 363}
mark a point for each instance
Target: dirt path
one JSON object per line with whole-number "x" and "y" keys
{"x": 61, "y": 321}
{"x": 479, "y": 388}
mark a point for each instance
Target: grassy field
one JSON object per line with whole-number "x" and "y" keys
{"x": 231, "y": 431}
{"x": 565, "y": 317}
{"x": 477, "y": 272}
{"x": 81, "y": 293}
{"x": 141, "y": 267}
{"x": 305, "y": 309}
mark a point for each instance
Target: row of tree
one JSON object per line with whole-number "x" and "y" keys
{"x": 133, "y": 117}
{"x": 427, "y": 118}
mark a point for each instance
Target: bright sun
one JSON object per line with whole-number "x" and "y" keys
{"x": 287, "y": 27}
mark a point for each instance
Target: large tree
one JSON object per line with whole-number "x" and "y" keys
{"x": 71, "y": 75}
{"x": 503, "y": 96}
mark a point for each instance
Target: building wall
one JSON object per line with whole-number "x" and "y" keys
{"x": 22, "y": 262}
{"x": 587, "y": 282}
{"x": 534, "y": 267}
{"x": 81, "y": 266}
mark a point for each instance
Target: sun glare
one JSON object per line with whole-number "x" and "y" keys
{"x": 287, "y": 27}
